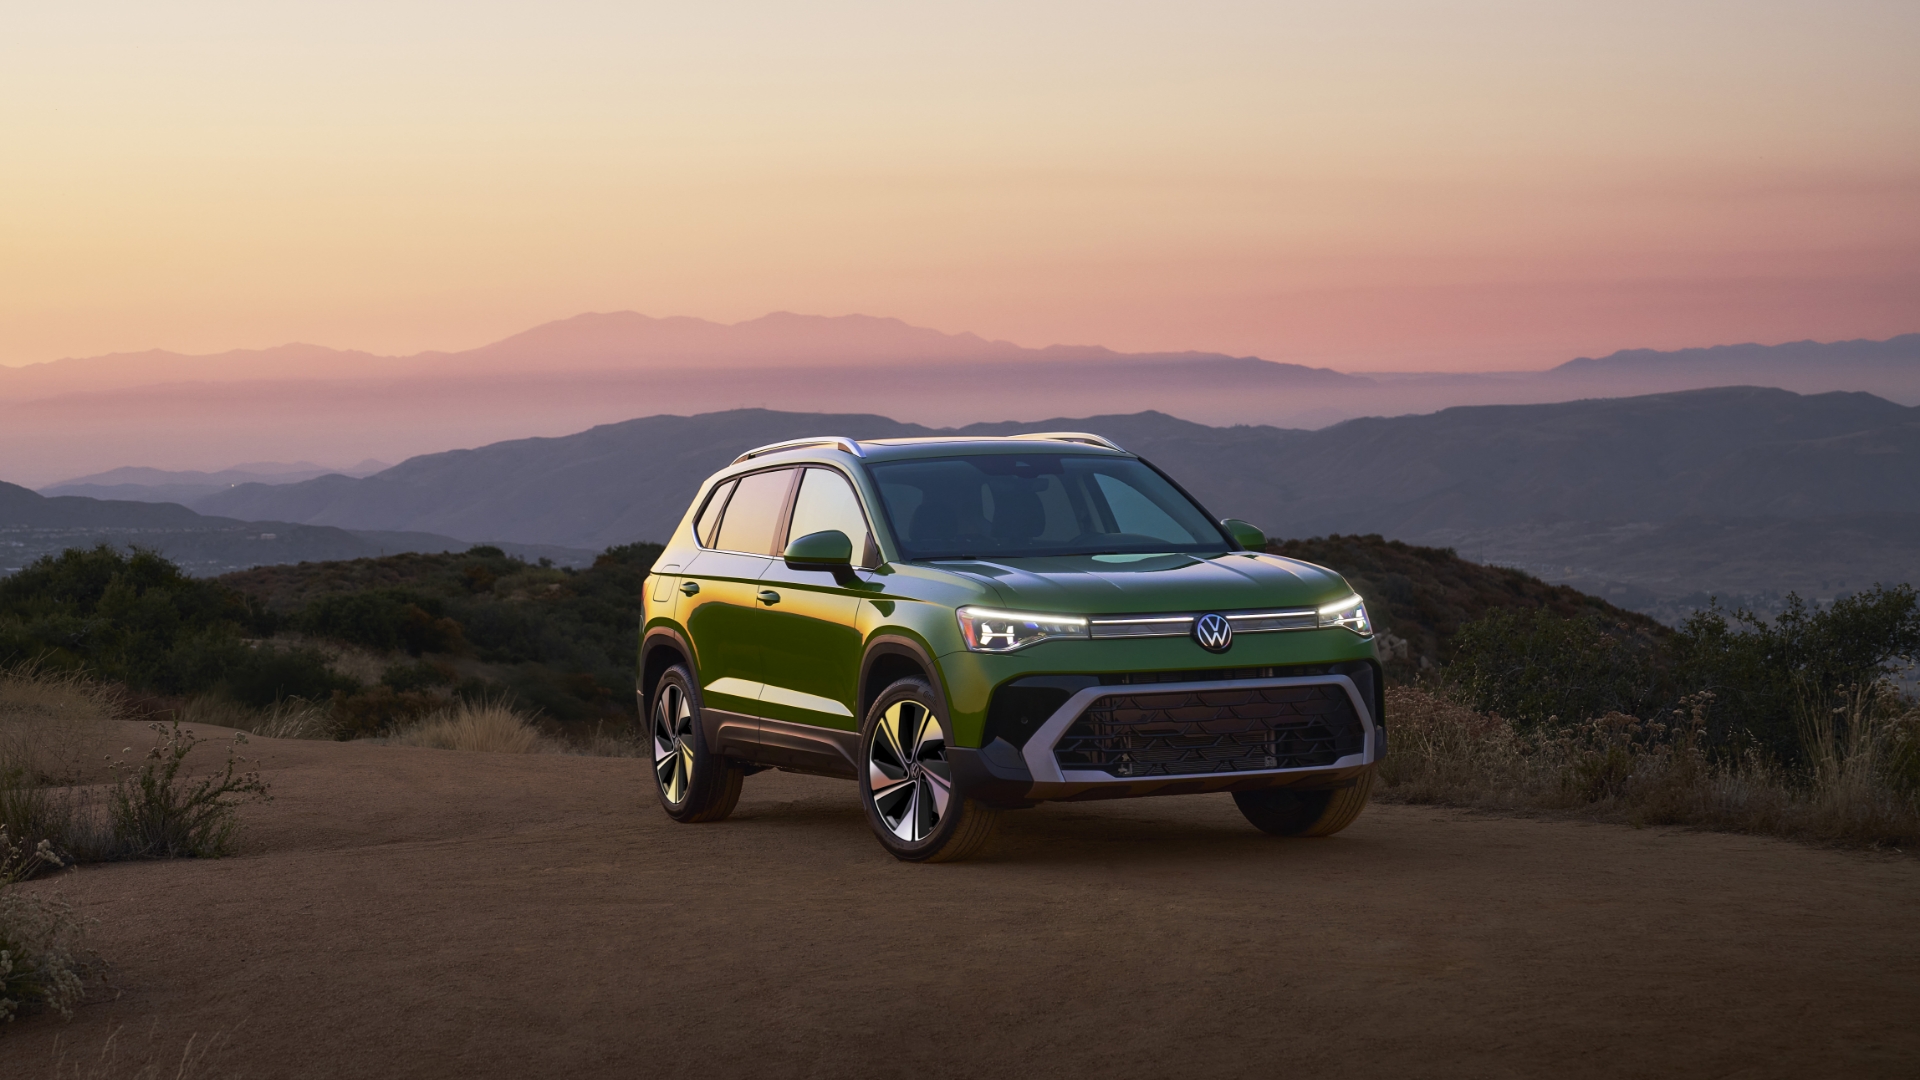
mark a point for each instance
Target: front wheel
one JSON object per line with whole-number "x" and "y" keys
{"x": 1287, "y": 812}
{"x": 694, "y": 784}
{"x": 906, "y": 783}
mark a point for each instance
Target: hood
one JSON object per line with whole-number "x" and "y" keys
{"x": 1144, "y": 584}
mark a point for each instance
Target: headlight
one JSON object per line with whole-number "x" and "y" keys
{"x": 988, "y": 630}
{"x": 1350, "y": 613}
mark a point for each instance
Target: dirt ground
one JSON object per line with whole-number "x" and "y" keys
{"x": 423, "y": 913}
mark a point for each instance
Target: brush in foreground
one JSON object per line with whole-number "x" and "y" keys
{"x": 489, "y": 727}
{"x": 1622, "y": 768}
{"x": 40, "y": 965}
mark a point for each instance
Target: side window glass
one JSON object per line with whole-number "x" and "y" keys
{"x": 827, "y": 501}
{"x": 708, "y": 523}
{"x": 754, "y": 512}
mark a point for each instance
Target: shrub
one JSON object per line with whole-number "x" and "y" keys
{"x": 129, "y": 617}
{"x": 267, "y": 676}
{"x": 40, "y": 962}
{"x": 159, "y": 812}
{"x": 1532, "y": 665}
{"x": 491, "y": 727}
{"x": 1622, "y": 768}
{"x": 384, "y": 620}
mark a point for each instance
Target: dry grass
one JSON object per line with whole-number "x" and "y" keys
{"x": 1619, "y": 768}
{"x": 161, "y": 1055}
{"x": 54, "y": 727}
{"x": 493, "y": 727}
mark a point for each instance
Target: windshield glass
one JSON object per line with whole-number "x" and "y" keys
{"x": 1014, "y": 505}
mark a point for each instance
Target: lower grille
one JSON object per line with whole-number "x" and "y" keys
{"x": 1213, "y": 731}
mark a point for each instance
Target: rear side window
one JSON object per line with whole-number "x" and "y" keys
{"x": 708, "y": 523}
{"x": 753, "y": 513}
{"x": 827, "y": 501}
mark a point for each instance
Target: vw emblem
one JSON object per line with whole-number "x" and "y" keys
{"x": 1213, "y": 632}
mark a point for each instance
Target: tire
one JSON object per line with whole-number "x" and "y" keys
{"x": 694, "y": 784}
{"x": 1286, "y": 812}
{"x": 906, "y": 783}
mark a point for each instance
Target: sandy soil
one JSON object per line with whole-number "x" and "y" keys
{"x": 413, "y": 912}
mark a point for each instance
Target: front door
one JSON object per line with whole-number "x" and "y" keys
{"x": 810, "y": 642}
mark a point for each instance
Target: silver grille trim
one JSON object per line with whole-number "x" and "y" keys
{"x": 1243, "y": 622}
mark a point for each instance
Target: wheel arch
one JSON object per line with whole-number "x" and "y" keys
{"x": 890, "y": 658}
{"x": 660, "y": 649}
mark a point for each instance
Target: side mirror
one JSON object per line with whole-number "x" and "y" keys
{"x": 829, "y": 550}
{"x": 1244, "y": 534}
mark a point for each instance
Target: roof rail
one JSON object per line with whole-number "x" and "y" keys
{"x": 840, "y": 441}
{"x": 1072, "y": 436}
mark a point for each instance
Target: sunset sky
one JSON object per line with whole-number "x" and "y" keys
{"x": 1385, "y": 185}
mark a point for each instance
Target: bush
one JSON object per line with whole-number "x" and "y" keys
{"x": 384, "y": 620}
{"x": 133, "y": 617}
{"x": 1621, "y": 768}
{"x": 158, "y": 812}
{"x": 1534, "y": 666}
{"x": 40, "y": 962}
{"x": 267, "y": 676}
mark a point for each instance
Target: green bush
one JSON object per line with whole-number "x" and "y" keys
{"x": 134, "y": 618}
{"x": 265, "y": 676}
{"x": 1531, "y": 665}
{"x": 1769, "y": 679}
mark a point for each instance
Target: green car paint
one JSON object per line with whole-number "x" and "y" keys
{"x": 792, "y": 636}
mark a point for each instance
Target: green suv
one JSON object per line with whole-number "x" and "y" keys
{"x": 968, "y": 625}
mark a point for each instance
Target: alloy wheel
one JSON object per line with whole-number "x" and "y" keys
{"x": 907, "y": 771}
{"x": 673, "y": 742}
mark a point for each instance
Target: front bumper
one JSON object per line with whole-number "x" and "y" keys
{"x": 1002, "y": 774}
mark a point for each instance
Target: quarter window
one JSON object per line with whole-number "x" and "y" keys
{"x": 708, "y": 523}
{"x": 754, "y": 512}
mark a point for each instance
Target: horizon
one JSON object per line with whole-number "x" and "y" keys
{"x": 962, "y": 333}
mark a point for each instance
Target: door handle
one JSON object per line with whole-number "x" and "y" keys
{"x": 689, "y": 587}
{"x": 769, "y": 597}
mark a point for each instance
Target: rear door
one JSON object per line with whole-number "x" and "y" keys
{"x": 719, "y": 608}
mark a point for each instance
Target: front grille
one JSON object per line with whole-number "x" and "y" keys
{"x": 1213, "y": 731}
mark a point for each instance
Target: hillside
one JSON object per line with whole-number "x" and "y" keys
{"x": 1420, "y": 597}
{"x": 33, "y": 525}
{"x": 1790, "y": 492}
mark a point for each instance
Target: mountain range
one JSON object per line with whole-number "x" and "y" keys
{"x": 172, "y": 411}
{"x": 1656, "y": 502}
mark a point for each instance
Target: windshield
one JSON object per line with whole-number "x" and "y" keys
{"x": 1015, "y": 505}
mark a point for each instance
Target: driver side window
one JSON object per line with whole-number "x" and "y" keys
{"x": 827, "y": 501}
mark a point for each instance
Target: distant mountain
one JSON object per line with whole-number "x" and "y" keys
{"x": 1743, "y": 363}
{"x": 89, "y": 414}
{"x": 32, "y": 525}
{"x": 140, "y": 484}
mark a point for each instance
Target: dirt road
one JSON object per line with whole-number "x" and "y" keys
{"x": 424, "y": 913}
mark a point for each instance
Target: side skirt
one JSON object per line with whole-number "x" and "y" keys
{"x": 800, "y": 747}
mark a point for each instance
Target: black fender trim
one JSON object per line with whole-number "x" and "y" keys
{"x": 885, "y": 645}
{"x": 655, "y": 639}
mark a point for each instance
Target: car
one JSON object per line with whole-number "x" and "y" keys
{"x": 967, "y": 626}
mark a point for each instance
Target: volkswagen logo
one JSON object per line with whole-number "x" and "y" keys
{"x": 1213, "y": 632}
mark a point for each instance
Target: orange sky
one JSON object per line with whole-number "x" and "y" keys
{"x": 1365, "y": 185}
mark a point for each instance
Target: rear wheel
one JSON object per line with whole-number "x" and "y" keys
{"x": 1287, "y": 812}
{"x": 693, "y": 783}
{"x": 906, "y": 783}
